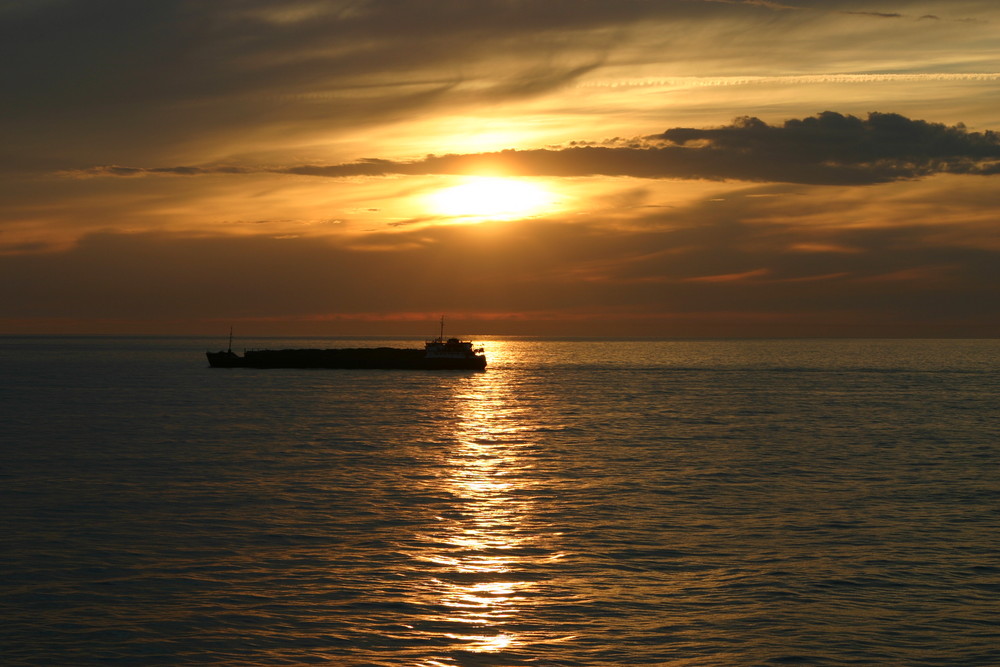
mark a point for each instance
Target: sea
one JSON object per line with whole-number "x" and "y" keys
{"x": 582, "y": 502}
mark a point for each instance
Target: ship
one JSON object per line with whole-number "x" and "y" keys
{"x": 437, "y": 354}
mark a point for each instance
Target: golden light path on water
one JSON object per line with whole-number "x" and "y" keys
{"x": 483, "y": 550}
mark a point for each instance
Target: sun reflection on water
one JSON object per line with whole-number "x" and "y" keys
{"x": 482, "y": 548}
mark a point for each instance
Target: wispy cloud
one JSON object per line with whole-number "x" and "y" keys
{"x": 207, "y": 80}
{"x": 881, "y": 15}
{"x": 760, "y": 255}
{"x": 801, "y": 79}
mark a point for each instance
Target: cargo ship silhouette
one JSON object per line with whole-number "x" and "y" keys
{"x": 438, "y": 354}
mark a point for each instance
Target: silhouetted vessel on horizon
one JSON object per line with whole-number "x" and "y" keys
{"x": 438, "y": 354}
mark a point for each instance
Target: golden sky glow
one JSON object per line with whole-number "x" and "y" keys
{"x": 678, "y": 168}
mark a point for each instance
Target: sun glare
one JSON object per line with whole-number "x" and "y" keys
{"x": 483, "y": 198}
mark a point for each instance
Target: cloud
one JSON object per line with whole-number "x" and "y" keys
{"x": 760, "y": 256}
{"x": 767, "y": 4}
{"x": 882, "y": 147}
{"x": 118, "y": 170}
{"x": 881, "y": 15}
{"x": 119, "y": 81}
{"x": 827, "y": 149}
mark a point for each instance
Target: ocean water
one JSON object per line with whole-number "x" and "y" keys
{"x": 582, "y": 502}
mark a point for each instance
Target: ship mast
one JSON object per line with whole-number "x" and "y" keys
{"x": 441, "y": 335}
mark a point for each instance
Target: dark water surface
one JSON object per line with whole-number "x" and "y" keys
{"x": 580, "y": 503}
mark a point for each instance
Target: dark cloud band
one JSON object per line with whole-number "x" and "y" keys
{"x": 826, "y": 149}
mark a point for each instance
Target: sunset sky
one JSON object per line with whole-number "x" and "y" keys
{"x": 549, "y": 167}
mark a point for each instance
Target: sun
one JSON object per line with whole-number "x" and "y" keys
{"x": 483, "y": 198}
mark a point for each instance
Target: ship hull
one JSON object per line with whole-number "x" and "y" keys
{"x": 375, "y": 357}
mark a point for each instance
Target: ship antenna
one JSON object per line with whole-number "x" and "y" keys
{"x": 230, "y": 339}
{"x": 441, "y": 336}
